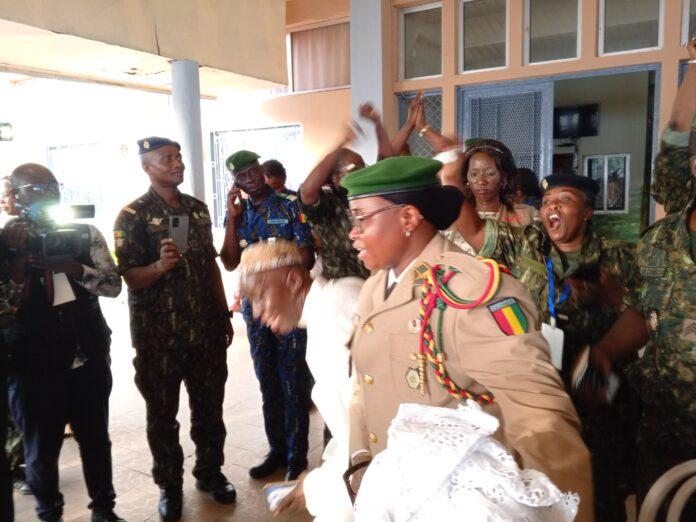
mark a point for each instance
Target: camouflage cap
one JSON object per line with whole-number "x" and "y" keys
{"x": 241, "y": 160}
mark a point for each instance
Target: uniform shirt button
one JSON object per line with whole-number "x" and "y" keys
{"x": 373, "y": 438}
{"x": 413, "y": 356}
{"x": 368, "y": 327}
{"x": 367, "y": 379}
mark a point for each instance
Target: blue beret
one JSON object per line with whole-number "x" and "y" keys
{"x": 154, "y": 143}
{"x": 583, "y": 183}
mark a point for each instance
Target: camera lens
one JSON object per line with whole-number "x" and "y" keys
{"x": 175, "y": 222}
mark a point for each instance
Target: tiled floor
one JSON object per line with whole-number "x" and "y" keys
{"x": 137, "y": 494}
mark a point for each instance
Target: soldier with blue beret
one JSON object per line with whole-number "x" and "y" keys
{"x": 279, "y": 361}
{"x": 178, "y": 331}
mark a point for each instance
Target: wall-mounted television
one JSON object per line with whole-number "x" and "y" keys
{"x": 576, "y": 122}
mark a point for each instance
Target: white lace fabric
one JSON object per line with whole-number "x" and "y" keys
{"x": 442, "y": 462}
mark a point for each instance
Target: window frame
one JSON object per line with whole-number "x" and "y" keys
{"x": 686, "y": 15}
{"x": 528, "y": 36}
{"x": 460, "y": 39}
{"x": 402, "y": 57}
{"x": 289, "y": 57}
{"x": 627, "y": 187}
{"x": 602, "y": 24}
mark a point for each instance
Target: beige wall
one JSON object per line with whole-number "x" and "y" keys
{"x": 215, "y": 33}
{"x": 307, "y": 12}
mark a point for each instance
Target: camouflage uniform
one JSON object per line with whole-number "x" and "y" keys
{"x": 279, "y": 361}
{"x": 672, "y": 184}
{"x": 666, "y": 373}
{"x": 329, "y": 220}
{"x": 178, "y": 332}
{"x": 609, "y": 432}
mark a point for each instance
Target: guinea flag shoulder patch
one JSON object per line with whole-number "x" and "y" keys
{"x": 509, "y": 316}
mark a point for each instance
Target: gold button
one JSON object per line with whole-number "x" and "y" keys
{"x": 368, "y": 327}
{"x": 367, "y": 379}
{"x": 373, "y": 438}
{"x": 413, "y": 356}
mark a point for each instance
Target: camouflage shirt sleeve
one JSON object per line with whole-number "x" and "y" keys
{"x": 102, "y": 280}
{"x": 672, "y": 185}
{"x": 500, "y": 243}
{"x": 131, "y": 242}
{"x": 317, "y": 212}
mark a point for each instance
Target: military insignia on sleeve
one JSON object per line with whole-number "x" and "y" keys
{"x": 509, "y": 316}
{"x": 156, "y": 221}
{"x": 119, "y": 238}
{"x": 689, "y": 330}
{"x": 412, "y": 378}
{"x": 301, "y": 217}
{"x": 419, "y": 272}
{"x": 653, "y": 320}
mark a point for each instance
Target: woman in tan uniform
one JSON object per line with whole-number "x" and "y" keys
{"x": 436, "y": 326}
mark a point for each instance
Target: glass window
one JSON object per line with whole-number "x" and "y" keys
{"x": 422, "y": 42}
{"x": 553, "y": 30}
{"x": 611, "y": 171}
{"x": 483, "y": 35}
{"x": 321, "y": 58}
{"x": 631, "y": 24}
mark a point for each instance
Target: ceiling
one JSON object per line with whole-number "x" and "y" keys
{"x": 31, "y": 51}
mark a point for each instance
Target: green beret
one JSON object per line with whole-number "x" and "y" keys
{"x": 241, "y": 160}
{"x": 392, "y": 176}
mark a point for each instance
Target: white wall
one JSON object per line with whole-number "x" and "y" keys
{"x": 623, "y": 105}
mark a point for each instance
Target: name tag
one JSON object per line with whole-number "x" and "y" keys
{"x": 652, "y": 271}
{"x": 554, "y": 336}
{"x": 278, "y": 221}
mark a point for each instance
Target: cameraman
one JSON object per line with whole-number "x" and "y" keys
{"x": 60, "y": 351}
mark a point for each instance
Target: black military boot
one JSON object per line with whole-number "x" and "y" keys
{"x": 218, "y": 485}
{"x": 270, "y": 465}
{"x": 106, "y": 516}
{"x": 170, "y": 503}
{"x": 294, "y": 470}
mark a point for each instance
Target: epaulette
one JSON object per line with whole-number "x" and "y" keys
{"x": 667, "y": 220}
{"x": 129, "y": 210}
{"x": 289, "y": 197}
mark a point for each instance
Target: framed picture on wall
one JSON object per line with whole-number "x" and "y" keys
{"x": 612, "y": 172}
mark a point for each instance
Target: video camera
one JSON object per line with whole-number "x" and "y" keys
{"x": 52, "y": 240}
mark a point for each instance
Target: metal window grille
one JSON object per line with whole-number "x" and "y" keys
{"x": 513, "y": 119}
{"x": 432, "y": 103}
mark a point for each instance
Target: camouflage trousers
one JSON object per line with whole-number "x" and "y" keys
{"x": 286, "y": 385}
{"x": 610, "y": 434}
{"x": 14, "y": 448}
{"x": 158, "y": 376}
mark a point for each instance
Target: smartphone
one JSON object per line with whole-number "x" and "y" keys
{"x": 178, "y": 231}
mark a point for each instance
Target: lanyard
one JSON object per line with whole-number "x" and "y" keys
{"x": 552, "y": 292}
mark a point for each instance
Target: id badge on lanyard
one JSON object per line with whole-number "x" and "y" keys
{"x": 554, "y": 335}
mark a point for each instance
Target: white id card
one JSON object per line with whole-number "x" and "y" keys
{"x": 554, "y": 336}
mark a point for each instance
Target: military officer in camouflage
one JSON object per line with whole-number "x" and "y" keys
{"x": 178, "y": 331}
{"x": 279, "y": 361}
{"x": 577, "y": 279}
{"x": 672, "y": 185}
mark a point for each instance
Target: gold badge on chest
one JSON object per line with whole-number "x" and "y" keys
{"x": 412, "y": 378}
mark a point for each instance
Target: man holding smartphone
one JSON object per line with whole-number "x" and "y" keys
{"x": 165, "y": 252}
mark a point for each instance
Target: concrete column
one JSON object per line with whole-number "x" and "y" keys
{"x": 366, "y": 66}
{"x": 186, "y": 97}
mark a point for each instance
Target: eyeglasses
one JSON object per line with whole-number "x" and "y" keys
{"x": 357, "y": 221}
